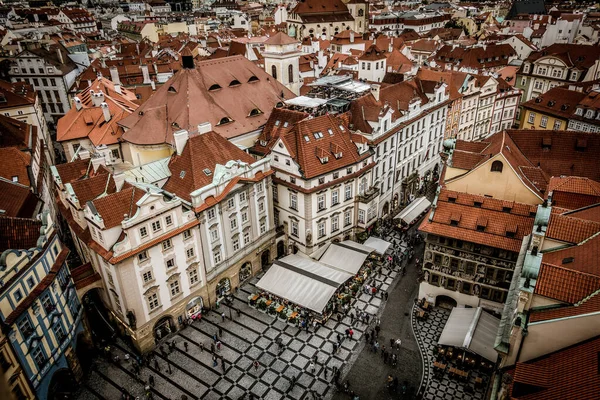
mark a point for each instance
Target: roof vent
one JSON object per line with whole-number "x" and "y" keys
{"x": 568, "y": 260}
{"x": 252, "y": 79}
{"x": 234, "y": 82}
{"x": 207, "y": 172}
{"x": 182, "y": 174}
{"x": 172, "y": 89}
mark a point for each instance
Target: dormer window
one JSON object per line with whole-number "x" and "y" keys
{"x": 225, "y": 120}
{"x": 263, "y": 143}
{"x": 253, "y": 79}
{"x": 254, "y": 112}
{"x": 324, "y": 160}
{"x": 589, "y": 114}
{"x": 172, "y": 89}
{"x": 277, "y": 123}
{"x": 338, "y": 155}
{"x": 214, "y": 87}
{"x": 342, "y": 128}
{"x": 234, "y": 82}
{"x": 318, "y": 135}
{"x": 579, "y": 111}
{"x": 330, "y": 131}
{"x": 497, "y": 166}
{"x": 306, "y": 138}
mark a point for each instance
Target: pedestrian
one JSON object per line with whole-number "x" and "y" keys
{"x": 386, "y": 295}
{"x": 156, "y": 366}
{"x": 367, "y": 336}
{"x": 391, "y": 343}
{"x": 237, "y": 310}
{"x": 214, "y": 358}
{"x": 256, "y": 363}
{"x": 335, "y": 348}
{"x": 220, "y": 332}
{"x": 315, "y": 325}
{"x": 223, "y": 364}
{"x": 292, "y": 383}
{"x": 382, "y": 351}
{"x": 185, "y": 346}
{"x": 218, "y": 345}
{"x": 398, "y": 343}
{"x": 162, "y": 350}
{"x": 212, "y": 347}
{"x": 223, "y": 316}
{"x": 325, "y": 371}
{"x": 126, "y": 356}
{"x": 151, "y": 380}
{"x": 215, "y": 338}
{"x": 385, "y": 357}
{"x": 347, "y": 331}
{"x": 376, "y": 346}
{"x": 339, "y": 338}
{"x": 377, "y": 329}
{"x": 367, "y": 317}
{"x": 201, "y": 345}
{"x": 312, "y": 367}
{"x": 351, "y": 318}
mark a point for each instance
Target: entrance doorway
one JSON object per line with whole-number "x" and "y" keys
{"x": 163, "y": 327}
{"x": 445, "y": 302}
{"x": 386, "y": 208}
{"x": 280, "y": 249}
{"x": 223, "y": 288}
{"x": 245, "y": 272}
{"x": 265, "y": 259}
{"x": 62, "y": 385}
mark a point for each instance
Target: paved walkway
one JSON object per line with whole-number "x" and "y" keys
{"x": 247, "y": 337}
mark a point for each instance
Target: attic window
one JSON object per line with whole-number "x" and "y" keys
{"x": 214, "y": 87}
{"x": 253, "y": 79}
{"x": 564, "y": 107}
{"x": 342, "y": 128}
{"x": 338, "y": 155}
{"x": 225, "y": 120}
{"x": 477, "y": 204}
{"x": 285, "y": 124}
{"x": 454, "y": 219}
{"x": 579, "y": 111}
{"x": 182, "y": 174}
{"x": 324, "y": 160}
{"x": 234, "y": 82}
{"x": 568, "y": 260}
{"x": 538, "y": 100}
{"x": 551, "y": 103}
{"x": 277, "y": 123}
{"x": 451, "y": 199}
{"x": 254, "y": 112}
{"x": 330, "y": 131}
{"x": 318, "y": 135}
{"x": 172, "y": 89}
{"x": 506, "y": 209}
{"x": 207, "y": 172}
{"x": 546, "y": 143}
{"x": 306, "y": 138}
{"x": 497, "y": 166}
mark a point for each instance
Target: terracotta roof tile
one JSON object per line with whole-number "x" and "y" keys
{"x": 17, "y": 200}
{"x": 570, "y": 373}
{"x": 280, "y": 38}
{"x": 591, "y": 213}
{"x": 373, "y": 53}
{"x": 574, "y": 192}
{"x": 466, "y": 216}
{"x": 18, "y": 233}
{"x": 70, "y": 172}
{"x": 112, "y": 208}
{"x": 565, "y": 284}
{"x": 15, "y": 163}
{"x": 570, "y": 229}
{"x": 588, "y": 305}
{"x": 14, "y": 133}
{"x": 90, "y": 188}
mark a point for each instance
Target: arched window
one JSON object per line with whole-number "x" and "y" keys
{"x": 497, "y": 166}
{"x": 361, "y": 12}
{"x": 274, "y": 71}
{"x": 290, "y": 73}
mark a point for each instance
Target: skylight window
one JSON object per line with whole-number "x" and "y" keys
{"x": 318, "y": 135}
{"x": 342, "y": 128}
{"x": 306, "y": 138}
{"x": 277, "y": 123}
{"x": 330, "y": 131}
{"x": 207, "y": 172}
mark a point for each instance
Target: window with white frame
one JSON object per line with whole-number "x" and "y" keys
{"x": 294, "y": 201}
{"x": 557, "y": 125}
{"x": 217, "y": 256}
{"x": 193, "y": 276}
{"x": 348, "y": 192}
{"x": 167, "y": 244}
{"x": 320, "y": 229}
{"x": 246, "y": 237}
{"x": 110, "y": 278}
{"x": 263, "y": 225}
{"x": 168, "y": 220}
{"x": 544, "y": 121}
{"x": 143, "y": 232}
{"x": 347, "y": 218}
{"x": 170, "y": 263}
{"x": 242, "y": 197}
{"x": 361, "y": 216}
{"x": 214, "y": 234}
{"x": 275, "y": 194}
{"x": 321, "y": 202}
{"x": 531, "y": 118}
{"x": 236, "y": 244}
{"x": 294, "y": 230}
{"x": 233, "y": 223}
{"x": 153, "y": 302}
{"x": 335, "y": 223}
{"x": 261, "y": 206}
{"x": 231, "y": 203}
{"x": 259, "y": 187}
{"x": 244, "y": 217}
{"x": 156, "y": 226}
{"x": 189, "y": 253}
{"x": 335, "y": 197}
{"x": 147, "y": 276}
{"x": 210, "y": 213}
{"x": 143, "y": 256}
{"x": 174, "y": 287}
{"x": 187, "y": 234}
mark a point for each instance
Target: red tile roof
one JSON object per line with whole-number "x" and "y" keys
{"x": 14, "y": 133}
{"x": 373, "y": 53}
{"x": 280, "y": 38}
{"x": 463, "y": 211}
{"x": 306, "y": 149}
{"x": 113, "y": 208}
{"x": 573, "y": 192}
{"x": 78, "y": 169}
{"x": 492, "y": 56}
{"x": 579, "y": 56}
{"x": 14, "y": 162}
{"x": 591, "y": 213}
{"x": 18, "y": 233}
{"x": 214, "y": 90}
{"x": 90, "y": 188}
{"x": 570, "y": 373}
{"x": 17, "y": 200}
{"x": 588, "y": 305}
{"x": 570, "y": 229}
{"x": 280, "y": 122}
{"x": 202, "y": 152}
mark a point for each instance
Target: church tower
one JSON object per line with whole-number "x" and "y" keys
{"x": 282, "y": 60}
{"x": 359, "y": 9}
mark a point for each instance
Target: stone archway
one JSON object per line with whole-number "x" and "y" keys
{"x": 223, "y": 288}
{"x": 245, "y": 273}
{"x": 163, "y": 327}
{"x": 445, "y": 302}
{"x": 62, "y": 385}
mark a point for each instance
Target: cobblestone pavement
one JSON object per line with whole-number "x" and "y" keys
{"x": 247, "y": 337}
{"x": 439, "y": 386}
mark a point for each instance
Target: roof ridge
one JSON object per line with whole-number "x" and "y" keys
{"x": 587, "y": 298}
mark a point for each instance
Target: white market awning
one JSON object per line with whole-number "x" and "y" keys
{"x": 303, "y": 281}
{"x": 414, "y": 209}
{"x": 379, "y": 245}
{"x": 471, "y": 329}
{"x": 345, "y": 258}
{"x": 360, "y": 247}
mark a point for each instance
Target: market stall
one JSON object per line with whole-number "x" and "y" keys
{"x": 345, "y": 258}
{"x": 380, "y": 246}
{"x": 411, "y": 213}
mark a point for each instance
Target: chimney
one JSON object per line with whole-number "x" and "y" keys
{"x": 97, "y": 162}
{"x": 391, "y": 45}
{"x": 153, "y": 84}
{"x": 60, "y": 55}
{"x": 145, "y": 74}
{"x": 181, "y": 138}
{"x": 118, "y": 88}
{"x": 114, "y": 75}
{"x": 351, "y": 36}
{"x": 204, "y": 127}
{"x": 105, "y": 111}
{"x": 89, "y": 82}
{"x": 77, "y": 102}
{"x": 84, "y": 155}
{"x": 119, "y": 179}
{"x": 97, "y": 98}
{"x": 375, "y": 91}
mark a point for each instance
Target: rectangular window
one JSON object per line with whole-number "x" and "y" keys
{"x": 47, "y": 304}
{"x": 259, "y": 187}
{"x": 170, "y": 263}
{"x": 335, "y": 223}
{"x": 168, "y": 220}
{"x": 361, "y": 216}
{"x": 174, "y": 288}
{"x": 231, "y": 203}
{"x": 189, "y": 253}
{"x": 556, "y": 126}
{"x": 294, "y": 201}
{"x": 349, "y": 170}
{"x": 156, "y": 226}
{"x": 544, "y": 122}
{"x": 263, "y": 226}
{"x": 335, "y": 197}
{"x": 348, "y": 192}
{"x": 167, "y": 244}
{"x": 143, "y": 256}
{"x": 531, "y": 118}
{"x": 193, "y": 274}
{"x": 25, "y": 327}
{"x": 210, "y": 213}
{"x": 242, "y": 197}
{"x": 261, "y": 206}
{"x": 244, "y": 217}
{"x": 153, "y": 301}
{"x": 39, "y": 357}
{"x": 321, "y": 202}
{"x": 187, "y": 234}
{"x": 321, "y": 230}
{"x": 275, "y": 194}
{"x": 115, "y": 153}
{"x": 214, "y": 234}
{"x": 147, "y": 276}
{"x": 236, "y": 244}
{"x": 217, "y": 256}
{"x": 347, "y": 220}
{"x": 246, "y": 238}
{"x": 294, "y": 228}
